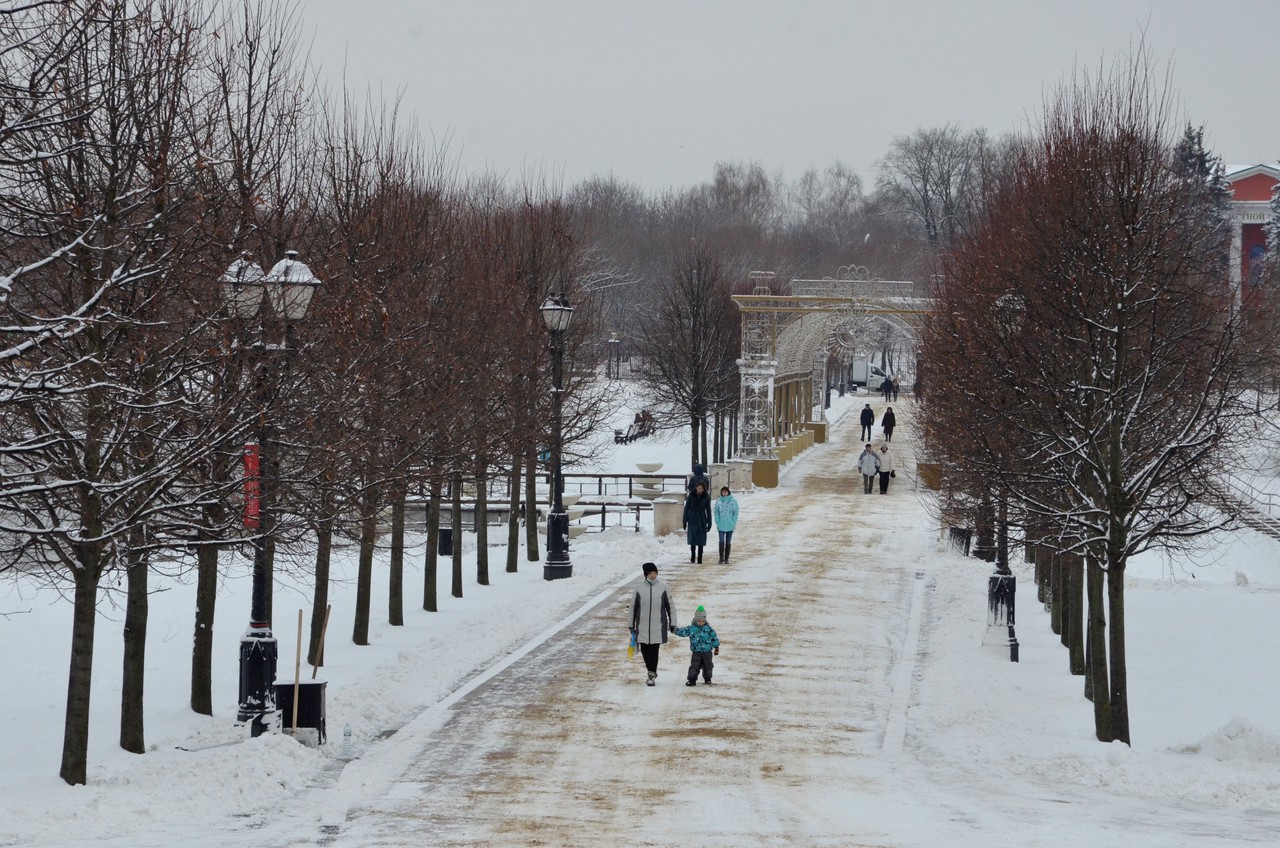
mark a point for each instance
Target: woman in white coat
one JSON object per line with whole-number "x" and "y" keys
{"x": 886, "y": 468}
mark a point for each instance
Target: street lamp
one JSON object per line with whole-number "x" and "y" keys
{"x": 557, "y": 315}
{"x": 1011, "y": 310}
{"x": 288, "y": 288}
{"x": 615, "y": 356}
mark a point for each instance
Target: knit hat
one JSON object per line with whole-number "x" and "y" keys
{"x": 700, "y": 614}
{"x": 649, "y": 568}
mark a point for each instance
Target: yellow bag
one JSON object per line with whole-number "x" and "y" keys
{"x": 631, "y": 647}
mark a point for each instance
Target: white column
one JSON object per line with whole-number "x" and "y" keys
{"x": 1237, "y": 230}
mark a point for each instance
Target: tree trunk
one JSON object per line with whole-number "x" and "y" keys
{"x": 482, "y": 527}
{"x": 1075, "y": 615}
{"x": 202, "y": 641}
{"x": 693, "y": 440}
{"x": 132, "y": 737}
{"x": 1062, "y": 572}
{"x": 513, "y": 516}
{"x": 1044, "y": 556}
{"x": 733, "y": 431}
{"x": 320, "y": 596}
{"x": 429, "y": 602}
{"x": 395, "y": 584}
{"x": 364, "y": 572}
{"x": 75, "y": 733}
{"x": 722, "y": 436}
{"x": 1097, "y": 686}
{"x": 1055, "y": 593}
{"x": 1119, "y": 666}
{"x": 531, "y": 506}
{"x": 456, "y": 486}
{"x": 702, "y": 431}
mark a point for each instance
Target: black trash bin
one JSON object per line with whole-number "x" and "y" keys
{"x": 310, "y": 708}
{"x": 444, "y": 545}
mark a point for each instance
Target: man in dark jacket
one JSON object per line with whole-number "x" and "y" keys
{"x": 867, "y": 418}
{"x": 652, "y": 616}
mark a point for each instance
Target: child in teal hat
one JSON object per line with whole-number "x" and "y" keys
{"x": 703, "y": 642}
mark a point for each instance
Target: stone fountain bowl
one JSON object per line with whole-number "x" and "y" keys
{"x": 648, "y": 467}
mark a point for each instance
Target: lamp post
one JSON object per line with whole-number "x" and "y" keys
{"x": 556, "y": 315}
{"x": 288, "y": 288}
{"x": 615, "y": 356}
{"x": 1011, "y": 309}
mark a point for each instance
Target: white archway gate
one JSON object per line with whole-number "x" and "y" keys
{"x": 787, "y": 341}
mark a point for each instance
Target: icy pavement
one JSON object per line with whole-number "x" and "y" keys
{"x": 827, "y": 618}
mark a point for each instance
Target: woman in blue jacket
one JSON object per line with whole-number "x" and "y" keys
{"x": 726, "y": 513}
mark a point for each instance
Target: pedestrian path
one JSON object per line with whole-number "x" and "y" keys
{"x": 568, "y": 746}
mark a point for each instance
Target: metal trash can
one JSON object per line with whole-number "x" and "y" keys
{"x": 310, "y": 729}
{"x": 444, "y": 545}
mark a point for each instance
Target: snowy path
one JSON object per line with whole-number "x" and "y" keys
{"x": 569, "y": 747}
{"x": 839, "y": 716}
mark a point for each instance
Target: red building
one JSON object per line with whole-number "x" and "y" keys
{"x": 1251, "y": 189}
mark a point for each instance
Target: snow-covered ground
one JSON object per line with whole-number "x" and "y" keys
{"x": 960, "y": 746}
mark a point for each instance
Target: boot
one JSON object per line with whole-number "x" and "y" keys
{"x": 721, "y": 560}
{"x": 693, "y": 553}
{"x": 653, "y": 675}
{"x": 728, "y": 547}
{"x": 699, "y": 554}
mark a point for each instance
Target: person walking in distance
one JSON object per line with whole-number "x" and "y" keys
{"x": 652, "y": 614}
{"x": 726, "y": 515}
{"x": 896, "y": 383}
{"x": 697, "y": 521}
{"x": 887, "y": 422}
{"x": 867, "y": 418}
{"x": 886, "y": 468}
{"x": 703, "y": 643}
{"x": 886, "y": 388}
{"x": 699, "y": 476}
{"x": 869, "y": 465}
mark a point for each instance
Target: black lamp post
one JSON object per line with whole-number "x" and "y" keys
{"x": 556, "y": 315}
{"x": 288, "y": 289}
{"x": 1002, "y": 584}
{"x": 615, "y": 357}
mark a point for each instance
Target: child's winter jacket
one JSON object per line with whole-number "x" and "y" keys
{"x": 702, "y": 637}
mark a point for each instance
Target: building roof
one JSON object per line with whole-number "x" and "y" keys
{"x": 1243, "y": 172}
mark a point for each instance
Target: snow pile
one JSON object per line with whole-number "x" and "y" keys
{"x": 1239, "y": 740}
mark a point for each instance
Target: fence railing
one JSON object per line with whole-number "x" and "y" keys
{"x": 1268, "y": 502}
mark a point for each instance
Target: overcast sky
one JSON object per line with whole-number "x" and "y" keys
{"x": 657, "y": 92}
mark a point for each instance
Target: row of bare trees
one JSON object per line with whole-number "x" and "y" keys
{"x": 1084, "y": 372}
{"x": 146, "y": 145}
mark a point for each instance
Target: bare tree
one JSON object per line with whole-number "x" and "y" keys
{"x": 105, "y": 415}
{"x": 688, "y": 343}
{"x": 936, "y": 176}
{"x": 1102, "y": 353}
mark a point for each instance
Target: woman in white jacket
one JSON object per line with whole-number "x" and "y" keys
{"x": 652, "y": 614}
{"x": 886, "y": 468}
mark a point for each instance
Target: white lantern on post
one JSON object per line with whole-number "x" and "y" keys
{"x": 290, "y": 285}
{"x": 242, "y": 286}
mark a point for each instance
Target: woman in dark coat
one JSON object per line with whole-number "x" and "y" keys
{"x": 697, "y": 520}
{"x": 888, "y": 421}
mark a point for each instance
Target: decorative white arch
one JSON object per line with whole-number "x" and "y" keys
{"x": 787, "y": 339}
